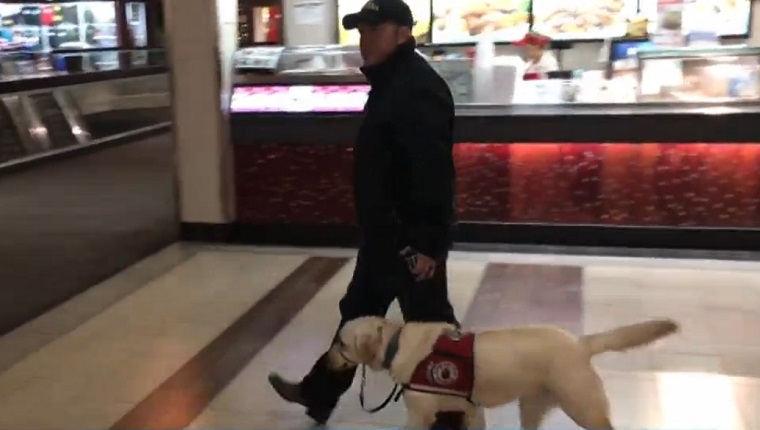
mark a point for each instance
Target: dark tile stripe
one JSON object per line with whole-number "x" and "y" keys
{"x": 523, "y": 294}
{"x": 177, "y": 402}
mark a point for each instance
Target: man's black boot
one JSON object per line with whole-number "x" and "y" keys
{"x": 291, "y": 392}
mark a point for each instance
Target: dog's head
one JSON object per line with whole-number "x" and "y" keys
{"x": 360, "y": 341}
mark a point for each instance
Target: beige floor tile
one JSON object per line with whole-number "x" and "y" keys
{"x": 291, "y": 353}
{"x": 691, "y": 400}
{"x": 55, "y": 406}
{"x": 59, "y": 321}
{"x": 321, "y": 317}
{"x": 123, "y": 354}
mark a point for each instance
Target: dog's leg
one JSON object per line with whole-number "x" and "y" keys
{"x": 415, "y": 422}
{"x": 580, "y": 394}
{"x": 421, "y": 409}
{"x": 533, "y": 409}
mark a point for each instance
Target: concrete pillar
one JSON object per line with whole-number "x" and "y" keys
{"x": 200, "y": 42}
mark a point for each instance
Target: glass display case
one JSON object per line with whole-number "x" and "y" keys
{"x": 302, "y": 60}
{"x": 303, "y": 79}
{"x": 457, "y": 72}
{"x": 696, "y": 75}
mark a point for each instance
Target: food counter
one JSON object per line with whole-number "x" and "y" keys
{"x": 656, "y": 172}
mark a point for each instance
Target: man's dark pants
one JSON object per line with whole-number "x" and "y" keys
{"x": 380, "y": 276}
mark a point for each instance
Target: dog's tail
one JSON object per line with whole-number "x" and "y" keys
{"x": 629, "y": 336}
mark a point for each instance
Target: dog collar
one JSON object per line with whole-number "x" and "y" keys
{"x": 391, "y": 350}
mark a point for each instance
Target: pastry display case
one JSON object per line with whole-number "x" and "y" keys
{"x": 299, "y": 60}
{"x": 721, "y": 74}
{"x": 304, "y": 79}
{"x": 457, "y": 72}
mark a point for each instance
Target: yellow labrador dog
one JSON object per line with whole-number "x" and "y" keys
{"x": 541, "y": 367}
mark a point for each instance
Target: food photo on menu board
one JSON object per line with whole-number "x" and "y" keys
{"x": 582, "y": 19}
{"x": 299, "y": 98}
{"x": 726, "y": 17}
{"x": 460, "y": 21}
{"x": 420, "y": 12}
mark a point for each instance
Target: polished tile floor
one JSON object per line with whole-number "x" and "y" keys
{"x": 185, "y": 339}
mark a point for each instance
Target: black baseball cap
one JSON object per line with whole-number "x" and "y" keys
{"x": 376, "y": 12}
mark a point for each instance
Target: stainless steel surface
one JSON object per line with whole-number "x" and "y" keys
{"x": 699, "y": 52}
{"x": 122, "y": 94}
{"x": 73, "y": 116}
{"x": 301, "y": 65}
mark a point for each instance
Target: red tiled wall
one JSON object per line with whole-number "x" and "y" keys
{"x": 619, "y": 184}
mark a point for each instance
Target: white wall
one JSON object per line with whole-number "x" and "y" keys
{"x": 582, "y": 56}
{"x": 322, "y": 33}
{"x": 227, "y": 21}
{"x": 193, "y": 45}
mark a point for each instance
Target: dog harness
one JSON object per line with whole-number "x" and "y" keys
{"x": 449, "y": 369}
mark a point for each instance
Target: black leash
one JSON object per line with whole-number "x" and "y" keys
{"x": 393, "y": 396}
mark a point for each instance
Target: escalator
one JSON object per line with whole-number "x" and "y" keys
{"x": 11, "y": 146}
{"x": 59, "y": 130}
{"x": 58, "y": 120}
{"x": 72, "y": 223}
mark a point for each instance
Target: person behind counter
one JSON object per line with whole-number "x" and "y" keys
{"x": 539, "y": 60}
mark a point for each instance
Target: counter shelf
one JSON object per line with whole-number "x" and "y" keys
{"x": 278, "y": 62}
{"x": 608, "y": 123}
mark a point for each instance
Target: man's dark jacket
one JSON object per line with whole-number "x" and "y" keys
{"x": 404, "y": 176}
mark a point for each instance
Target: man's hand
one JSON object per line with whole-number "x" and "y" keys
{"x": 421, "y": 266}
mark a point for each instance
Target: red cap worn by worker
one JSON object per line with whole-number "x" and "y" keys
{"x": 534, "y": 39}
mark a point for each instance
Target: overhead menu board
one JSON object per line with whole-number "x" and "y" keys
{"x": 582, "y": 19}
{"x": 420, "y": 11}
{"x": 727, "y": 17}
{"x": 458, "y": 21}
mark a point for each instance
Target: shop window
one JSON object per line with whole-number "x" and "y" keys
{"x": 266, "y": 24}
{"x": 47, "y": 26}
{"x": 259, "y": 22}
{"x": 137, "y": 22}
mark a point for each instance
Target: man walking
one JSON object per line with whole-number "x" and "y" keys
{"x": 403, "y": 189}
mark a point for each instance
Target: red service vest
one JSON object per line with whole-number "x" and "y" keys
{"x": 449, "y": 369}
